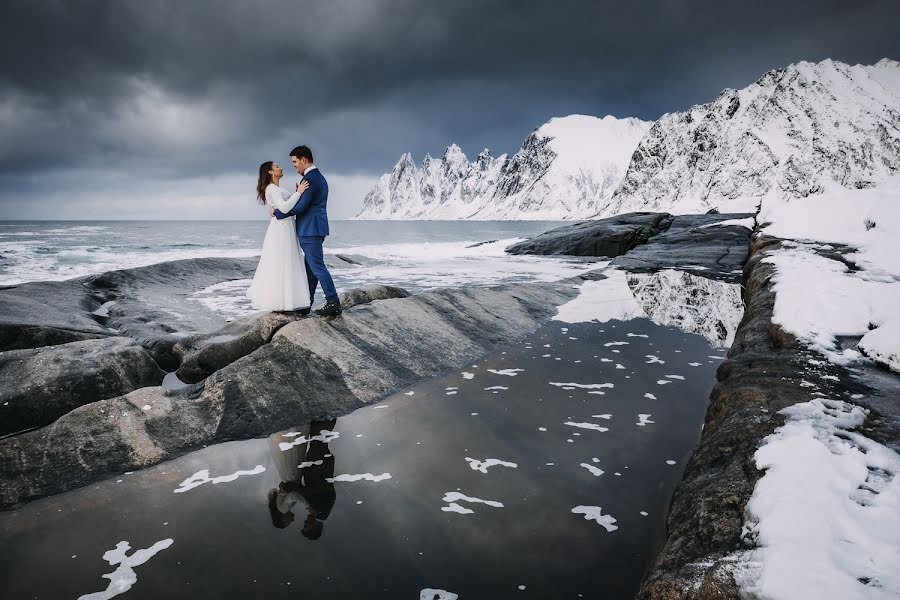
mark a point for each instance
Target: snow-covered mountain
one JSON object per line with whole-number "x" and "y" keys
{"x": 566, "y": 169}
{"x": 788, "y": 135}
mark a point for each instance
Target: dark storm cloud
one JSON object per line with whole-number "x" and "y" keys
{"x": 175, "y": 89}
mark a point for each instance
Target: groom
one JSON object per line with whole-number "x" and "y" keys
{"x": 312, "y": 227}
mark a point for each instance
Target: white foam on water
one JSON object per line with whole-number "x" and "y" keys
{"x": 585, "y": 386}
{"x": 434, "y": 594}
{"x": 202, "y": 477}
{"x": 123, "y": 578}
{"x": 596, "y": 472}
{"x": 591, "y": 426}
{"x": 324, "y": 436}
{"x": 483, "y": 465}
{"x": 358, "y": 477}
{"x": 644, "y": 420}
{"x": 595, "y": 513}
{"x": 507, "y": 372}
{"x": 453, "y": 497}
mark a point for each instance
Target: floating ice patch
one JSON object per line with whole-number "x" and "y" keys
{"x": 592, "y": 426}
{"x": 675, "y": 377}
{"x": 484, "y": 465}
{"x": 123, "y": 578}
{"x": 451, "y": 388}
{"x": 594, "y": 470}
{"x": 620, "y": 366}
{"x": 358, "y": 477}
{"x": 650, "y": 396}
{"x": 452, "y": 499}
{"x": 595, "y": 513}
{"x": 408, "y": 393}
{"x": 694, "y": 364}
{"x": 654, "y": 360}
{"x": 325, "y": 436}
{"x": 453, "y": 393}
{"x": 433, "y": 594}
{"x": 608, "y": 344}
{"x": 507, "y": 372}
{"x": 670, "y": 462}
{"x": 602, "y": 300}
{"x": 310, "y": 463}
{"x": 495, "y": 387}
{"x": 662, "y": 381}
{"x": 640, "y": 335}
{"x": 380, "y": 406}
{"x": 201, "y": 477}
{"x": 466, "y": 375}
{"x": 585, "y": 386}
{"x": 603, "y": 416}
{"x": 644, "y": 420}
{"x": 605, "y": 360}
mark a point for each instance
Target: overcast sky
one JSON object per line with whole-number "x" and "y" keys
{"x": 164, "y": 109}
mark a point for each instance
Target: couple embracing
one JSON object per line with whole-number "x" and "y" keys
{"x": 293, "y": 243}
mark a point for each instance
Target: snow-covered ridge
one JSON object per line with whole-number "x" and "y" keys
{"x": 790, "y": 134}
{"x": 565, "y": 169}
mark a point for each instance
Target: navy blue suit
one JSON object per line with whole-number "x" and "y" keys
{"x": 312, "y": 228}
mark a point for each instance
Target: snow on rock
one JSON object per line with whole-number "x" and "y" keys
{"x": 825, "y": 516}
{"x": 789, "y": 135}
{"x": 123, "y": 578}
{"x": 566, "y": 169}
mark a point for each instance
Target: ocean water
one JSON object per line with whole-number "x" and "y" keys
{"x": 417, "y": 254}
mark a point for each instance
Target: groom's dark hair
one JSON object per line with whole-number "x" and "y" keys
{"x": 302, "y": 152}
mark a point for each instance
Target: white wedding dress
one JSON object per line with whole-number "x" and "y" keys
{"x": 280, "y": 281}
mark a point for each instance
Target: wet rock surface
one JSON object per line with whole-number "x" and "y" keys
{"x": 695, "y": 244}
{"x": 312, "y": 369}
{"x": 766, "y": 370}
{"x": 604, "y": 237}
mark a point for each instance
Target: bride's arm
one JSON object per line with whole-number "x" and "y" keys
{"x": 285, "y": 204}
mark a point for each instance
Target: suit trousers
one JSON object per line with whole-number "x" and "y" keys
{"x": 316, "y": 271}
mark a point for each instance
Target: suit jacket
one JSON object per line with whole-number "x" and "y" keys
{"x": 311, "y": 208}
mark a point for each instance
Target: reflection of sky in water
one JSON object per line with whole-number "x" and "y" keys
{"x": 382, "y": 537}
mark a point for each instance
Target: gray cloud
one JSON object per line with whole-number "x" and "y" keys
{"x": 170, "y": 91}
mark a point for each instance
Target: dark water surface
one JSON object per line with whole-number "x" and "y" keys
{"x": 390, "y": 538}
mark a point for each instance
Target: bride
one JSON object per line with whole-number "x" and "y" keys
{"x": 280, "y": 281}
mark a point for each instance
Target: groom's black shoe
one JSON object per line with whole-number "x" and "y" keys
{"x": 330, "y": 309}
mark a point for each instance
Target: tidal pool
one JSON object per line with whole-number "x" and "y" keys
{"x": 542, "y": 471}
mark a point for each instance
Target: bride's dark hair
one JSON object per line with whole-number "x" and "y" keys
{"x": 264, "y": 179}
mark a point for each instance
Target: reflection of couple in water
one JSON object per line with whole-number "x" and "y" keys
{"x": 304, "y": 470}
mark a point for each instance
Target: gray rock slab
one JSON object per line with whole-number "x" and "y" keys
{"x": 697, "y": 245}
{"x": 604, "y": 237}
{"x": 312, "y": 369}
{"x": 202, "y": 354}
{"x": 37, "y": 386}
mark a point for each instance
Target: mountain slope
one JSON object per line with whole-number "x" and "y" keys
{"x": 567, "y": 168}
